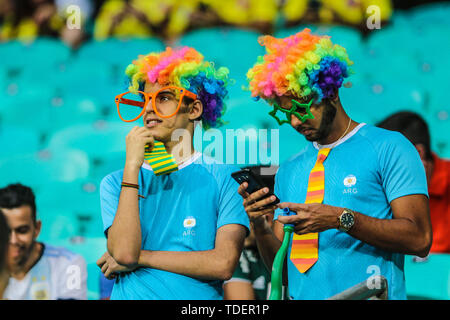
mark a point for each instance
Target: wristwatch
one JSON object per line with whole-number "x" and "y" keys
{"x": 346, "y": 220}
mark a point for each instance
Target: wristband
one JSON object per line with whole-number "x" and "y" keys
{"x": 129, "y": 185}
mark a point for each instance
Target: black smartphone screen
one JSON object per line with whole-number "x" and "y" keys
{"x": 254, "y": 182}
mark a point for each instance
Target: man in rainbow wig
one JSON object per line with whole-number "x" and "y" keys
{"x": 174, "y": 223}
{"x": 358, "y": 192}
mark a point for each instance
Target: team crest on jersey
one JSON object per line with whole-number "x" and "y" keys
{"x": 40, "y": 291}
{"x": 349, "y": 181}
{"x": 189, "y": 223}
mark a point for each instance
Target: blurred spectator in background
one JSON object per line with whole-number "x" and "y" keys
{"x": 38, "y": 271}
{"x": 251, "y": 279}
{"x": 415, "y": 129}
{"x": 130, "y": 18}
{"x": 256, "y": 14}
{"x": 169, "y": 19}
{"x": 26, "y": 20}
{"x": 4, "y": 236}
{"x": 76, "y": 14}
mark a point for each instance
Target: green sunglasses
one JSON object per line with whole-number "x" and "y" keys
{"x": 293, "y": 111}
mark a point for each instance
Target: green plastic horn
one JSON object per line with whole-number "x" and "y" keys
{"x": 276, "y": 281}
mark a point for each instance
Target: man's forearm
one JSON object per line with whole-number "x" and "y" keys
{"x": 124, "y": 236}
{"x": 206, "y": 265}
{"x": 395, "y": 235}
{"x": 267, "y": 242}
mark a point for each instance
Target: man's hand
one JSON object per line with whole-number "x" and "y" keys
{"x": 136, "y": 140}
{"x": 110, "y": 268}
{"x": 312, "y": 217}
{"x": 254, "y": 202}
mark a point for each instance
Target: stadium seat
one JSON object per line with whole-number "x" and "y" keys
{"x": 44, "y": 167}
{"x": 118, "y": 52}
{"x": 29, "y": 110}
{"x": 431, "y": 13}
{"x": 42, "y": 56}
{"x": 286, "y": 32}
{"x": 97, "y": 140}
{"x": 15, "y": 139}
{"x": 376, "y": 100}
{"x": 232, "y": 48}
{"x": 429, "y": 278}
{"x": 74, "y": 109}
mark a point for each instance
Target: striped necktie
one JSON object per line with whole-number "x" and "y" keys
{"x": 160, "y": 161}
{"x": 305, "y": 247}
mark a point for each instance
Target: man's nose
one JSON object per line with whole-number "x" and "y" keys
{"x": 295, "y": 122}
{"x": 13, "y": 239}
{"x": 148, "y": 107}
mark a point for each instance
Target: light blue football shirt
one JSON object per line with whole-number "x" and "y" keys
{"x": 368, "y": 169}
{"x": 182, "y": 211}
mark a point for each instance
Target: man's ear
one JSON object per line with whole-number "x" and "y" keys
{"x": 196, "y": 110}
{"x": 421, "y": 149}
{"x": 334, "y": 98}
{"x": 37, "y": 229}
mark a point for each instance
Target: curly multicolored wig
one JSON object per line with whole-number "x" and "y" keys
{"x": 303, "y": 65}
{"x": 184, "y": 67}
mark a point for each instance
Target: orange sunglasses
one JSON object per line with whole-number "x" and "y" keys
{"x": 141, "y": 104}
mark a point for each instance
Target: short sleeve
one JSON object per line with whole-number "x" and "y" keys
{"x": 230, "y": 208}
{"x": 109, "y": 200}
{"x": 72, "y": 280}
{"x": 401, "y": 168}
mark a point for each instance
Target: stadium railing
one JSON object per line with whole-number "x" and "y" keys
{"x": 374, "y": 288}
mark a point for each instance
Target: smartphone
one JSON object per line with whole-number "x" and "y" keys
{"x": 254, "y": 183}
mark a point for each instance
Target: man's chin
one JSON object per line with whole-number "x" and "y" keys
{"x": 310, "y": 137}
{"x": 16, "y": 260}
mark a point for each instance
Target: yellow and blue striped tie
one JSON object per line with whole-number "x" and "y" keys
{"x": 305, "y": 247}
{"x": 160, "y": 161}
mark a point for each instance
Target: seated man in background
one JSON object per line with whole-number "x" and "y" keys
{"x": 415, "y": 129}
{"x": 38, "y": 271}
{"x": 4, "y": 236}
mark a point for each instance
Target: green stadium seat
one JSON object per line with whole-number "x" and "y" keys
{"x": 429, "y": 279}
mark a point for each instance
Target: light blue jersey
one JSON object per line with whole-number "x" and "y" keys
{"x": 368, "y": 169}
{"x": 181, "y": 212}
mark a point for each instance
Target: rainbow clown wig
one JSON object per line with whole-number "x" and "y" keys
{"x": 184, "y": 67}
{"x": 302, "y": 65}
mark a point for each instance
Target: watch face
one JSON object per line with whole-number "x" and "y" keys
{"x": 347, "y": 220}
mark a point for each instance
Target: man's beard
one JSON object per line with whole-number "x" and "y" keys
{"x": 21, "y": 260}
{"x": 328, "y": 115}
